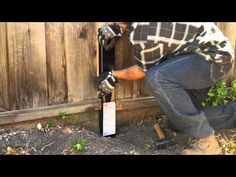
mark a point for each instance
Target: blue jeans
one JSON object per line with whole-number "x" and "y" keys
{"x": 180, "y": 84}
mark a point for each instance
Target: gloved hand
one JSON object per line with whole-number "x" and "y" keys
{"x": 105, "y": 83}
{"x": 107, "y": 35}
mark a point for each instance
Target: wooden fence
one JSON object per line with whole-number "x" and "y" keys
{"x": 48, "y": 66}
{"x": 43, "y": 64}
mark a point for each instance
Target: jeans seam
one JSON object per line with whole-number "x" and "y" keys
{"x": 221, "y": 116}
{"x": 179, "y": 114}
{"x": 171, "y": 105}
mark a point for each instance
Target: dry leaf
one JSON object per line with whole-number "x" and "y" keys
{"x": 10, "y": 151}
{"x": 67, "y": 130}
{"x": 23, "y": 152}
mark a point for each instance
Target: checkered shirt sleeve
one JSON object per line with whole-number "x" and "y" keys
{"x": 153, "y": 41}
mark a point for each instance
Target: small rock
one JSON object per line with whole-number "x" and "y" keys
{"x": 39, "y": 126}
{"x": 46, "y": 130}
{"x": 59, "y": 126}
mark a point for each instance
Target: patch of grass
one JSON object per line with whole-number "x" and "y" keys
{"x": 68, "y": 118}
{"x": 62, "y": 114}
{"x": 72, "y": 118}
{"x": 51, "y": 123}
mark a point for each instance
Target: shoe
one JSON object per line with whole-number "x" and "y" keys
{"x": 204, "y": 146}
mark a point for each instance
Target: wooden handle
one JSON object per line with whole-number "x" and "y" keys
{"x": 159, "y": 131}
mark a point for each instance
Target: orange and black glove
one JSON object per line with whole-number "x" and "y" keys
{"x": 105, "y": 83}
{"x": 108, "y": 34}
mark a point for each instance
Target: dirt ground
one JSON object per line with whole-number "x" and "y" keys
{"x": 134, "y": 139}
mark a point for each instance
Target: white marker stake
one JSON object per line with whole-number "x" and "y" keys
{"x": 109, "y": 118}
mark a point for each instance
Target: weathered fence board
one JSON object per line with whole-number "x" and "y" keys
{"x": 56, "y": 63}
{"x": 27, "y": 65}
{"x": 81, "y": 56}
{"x": 229, "y": 30}
{"x": 124, "y": 58}
{"x": 4, "y": 104}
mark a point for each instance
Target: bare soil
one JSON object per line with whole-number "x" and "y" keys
{"x": 134, "y": 139}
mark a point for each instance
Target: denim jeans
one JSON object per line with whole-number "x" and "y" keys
{"x": 180, "y": 84}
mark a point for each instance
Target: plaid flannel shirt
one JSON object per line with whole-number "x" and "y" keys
{"x": 154, "y": 41}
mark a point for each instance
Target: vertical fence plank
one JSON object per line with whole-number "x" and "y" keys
{"x": 81, "y": 55}
{"x": 4, "y": 104}
{"x": 229, "y": 30}
{"x": 56, "y": 66}
{"x": 144, "y": 90}
{"x": 27, "y": 65}
{"x": 124, "y": 58}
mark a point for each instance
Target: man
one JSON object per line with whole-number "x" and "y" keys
{"x": 180, "y": 62}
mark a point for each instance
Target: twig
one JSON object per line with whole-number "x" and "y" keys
{"x": 34, "y": 149}
{"x": 27, "y": 145}
{"x": 47, "y": 145}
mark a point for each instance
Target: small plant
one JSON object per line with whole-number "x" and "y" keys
{"x": 68, "y": 118}
{"x": 51, "y": 123}
{"x": 134, "y": 152}
{"x": 79, "y": 146}
{"x": 220, "y": 94}
{"x": 233, "y": 90}
{"x": 62, "y": 114}
{"x": 71, "y": 118}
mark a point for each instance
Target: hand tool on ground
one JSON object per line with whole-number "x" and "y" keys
{"x": 162, "y": 141}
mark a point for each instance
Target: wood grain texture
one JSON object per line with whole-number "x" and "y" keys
{"x": 48, "y": 111}
{"x": 124, "y": 59}
{"x": 4, "y": 103}
{"x": 81, "y": 55}
{"x": 229, "y": 30}
{"x": 56, "y": 64}
{"x": 128, "y": 111}
{"x": 27, "y": 65}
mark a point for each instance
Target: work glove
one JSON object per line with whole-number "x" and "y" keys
{"x": 105, "y": 83}
{"x": 107, "y": 35}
